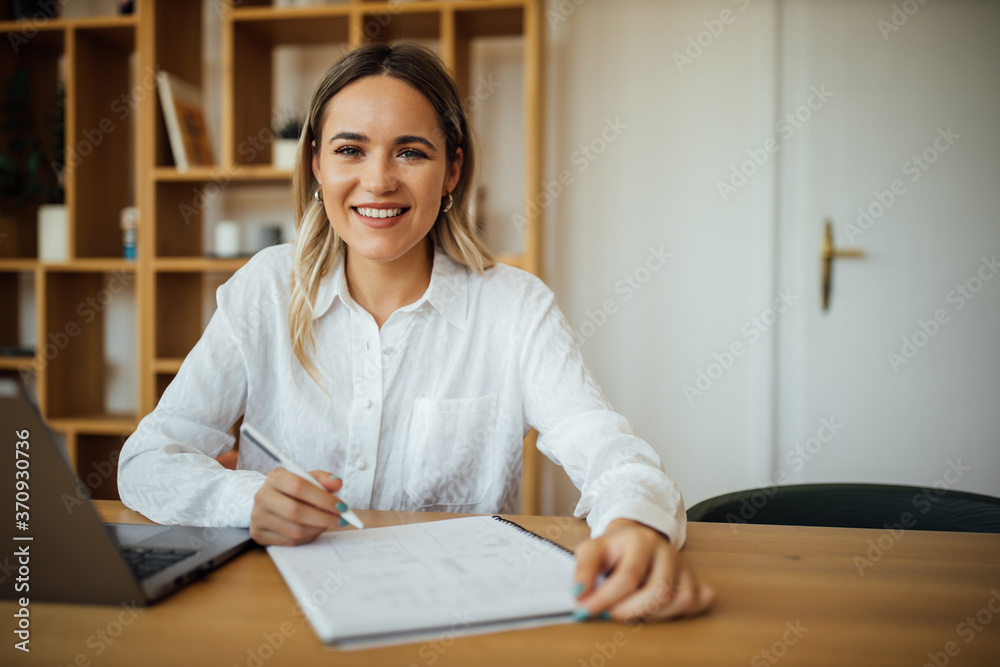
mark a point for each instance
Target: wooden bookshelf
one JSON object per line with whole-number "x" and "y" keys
{"x": 106, "y": 63}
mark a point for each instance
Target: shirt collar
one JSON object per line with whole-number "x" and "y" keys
{"x": 447, "y": 292}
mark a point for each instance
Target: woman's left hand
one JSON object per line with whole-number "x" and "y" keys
{"x": 648, "y": 580}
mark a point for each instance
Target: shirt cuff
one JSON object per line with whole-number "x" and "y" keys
{"x": 673, "y": 524}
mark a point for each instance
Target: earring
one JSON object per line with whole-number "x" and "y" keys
{"x": 318, "y": 195}
{"x": 447, "y": 207}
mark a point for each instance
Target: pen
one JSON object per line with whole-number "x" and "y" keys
{"x": 269, "y": 448}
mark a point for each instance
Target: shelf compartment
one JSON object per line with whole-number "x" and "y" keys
{"x": 179, "y": 218}
{"x": 179, "y": 302}
{"x": 18, "y": 297}
{"x": 40, "y": 55}
{"x": 100, "y": 164}
{"x": 177, "y": 50}
{"x": 312, "y": 25}
{"x": 250, "y": 42}
{"x": 96, "y": 463}
{"x": 164, "y": 378}
{"x": 74, "y": 356}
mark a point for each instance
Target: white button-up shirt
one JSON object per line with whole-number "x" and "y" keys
{"x": 426, "y": 413}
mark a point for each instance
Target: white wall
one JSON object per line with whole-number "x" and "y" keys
{"x": 655, "y": 185}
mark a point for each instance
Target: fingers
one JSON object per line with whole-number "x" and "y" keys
{"x": 289, "y": 510}
{"x": 589, "y": 564}
{"x": 649, "y": 579}
{"x": 661, "y": 588}
{"x": 630, "y": 570}
{"x": 664, "y": 598}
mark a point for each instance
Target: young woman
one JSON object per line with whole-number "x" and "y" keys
{"x": 386, "y": 352}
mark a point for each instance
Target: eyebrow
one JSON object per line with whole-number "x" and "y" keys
{"x": 401, "y": 139}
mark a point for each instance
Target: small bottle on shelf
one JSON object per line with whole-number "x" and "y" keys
{"x": 129, "y": 224}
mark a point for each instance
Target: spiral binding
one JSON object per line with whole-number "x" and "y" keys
{"x": 532, "y": 534}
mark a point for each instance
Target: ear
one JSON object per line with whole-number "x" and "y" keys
{"x": 315, "y": 160}
{"x": 454, "y": 171}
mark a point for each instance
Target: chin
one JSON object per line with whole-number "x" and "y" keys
{"x": 383, "y": 251}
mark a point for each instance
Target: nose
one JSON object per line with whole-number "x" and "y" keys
{"x": 379, "y": 175}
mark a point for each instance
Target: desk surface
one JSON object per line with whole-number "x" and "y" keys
{"x": 785, "y": 594}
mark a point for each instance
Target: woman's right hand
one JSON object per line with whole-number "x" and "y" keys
{"x": 288, "y": 510}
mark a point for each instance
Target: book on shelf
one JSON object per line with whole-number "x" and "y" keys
{"x": 187, "y": 128}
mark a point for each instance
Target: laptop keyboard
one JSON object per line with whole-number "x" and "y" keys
{"x": 147, "y": 562}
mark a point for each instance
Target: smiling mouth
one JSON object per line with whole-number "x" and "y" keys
{"x": 379, "y": 213}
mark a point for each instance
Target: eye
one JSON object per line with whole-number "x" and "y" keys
{"x": 412, "y": 154}
{"x": 349, "y": 151}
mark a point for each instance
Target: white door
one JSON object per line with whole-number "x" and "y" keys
{"x": 890, "y": 127}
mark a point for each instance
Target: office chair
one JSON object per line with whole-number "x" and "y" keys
{"x": 854, "y": 506}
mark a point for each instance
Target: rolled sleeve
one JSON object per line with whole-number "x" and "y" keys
{"x": 619, "y": 475}
{"x": 167, "y": 469}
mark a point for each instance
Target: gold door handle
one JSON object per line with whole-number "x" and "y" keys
{"x": 828, "y": 254}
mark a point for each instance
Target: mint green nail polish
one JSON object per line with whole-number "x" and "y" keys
{"x": 580, "y": 615}
{"x": 341, "y": 507}
{"x": 605, "y": 616}
{"x": 343, "y": 521}
{"x": 578, "y": 589}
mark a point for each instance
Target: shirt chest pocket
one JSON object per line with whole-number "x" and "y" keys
{"x": 449, "y": 455}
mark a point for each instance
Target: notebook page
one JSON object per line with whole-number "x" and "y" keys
{"x": 449, "y": 574}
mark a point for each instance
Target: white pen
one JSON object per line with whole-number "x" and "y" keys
{"x": 269, "y": 448}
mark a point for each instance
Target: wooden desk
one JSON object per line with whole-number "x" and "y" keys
{"x": 793, "y": 592}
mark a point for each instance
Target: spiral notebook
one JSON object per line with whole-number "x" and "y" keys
{"x": 402, "y": 584}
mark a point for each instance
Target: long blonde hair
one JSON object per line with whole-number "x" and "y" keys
{"x": 318, "y": 244}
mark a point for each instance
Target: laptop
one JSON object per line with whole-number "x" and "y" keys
{"x": 58, "y": 548}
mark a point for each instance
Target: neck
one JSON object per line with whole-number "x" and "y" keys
{"x": 381, "y": 288}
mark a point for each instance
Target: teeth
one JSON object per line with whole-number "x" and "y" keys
{"x": 379, "y": 212}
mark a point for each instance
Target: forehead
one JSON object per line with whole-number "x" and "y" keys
{"x": 379, "y": 105}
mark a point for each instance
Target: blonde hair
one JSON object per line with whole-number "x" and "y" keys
{"x": 318, "y": 244}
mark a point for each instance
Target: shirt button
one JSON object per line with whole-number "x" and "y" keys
{"x": 362, "y": 465}
{"x": 367, "y": 403}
